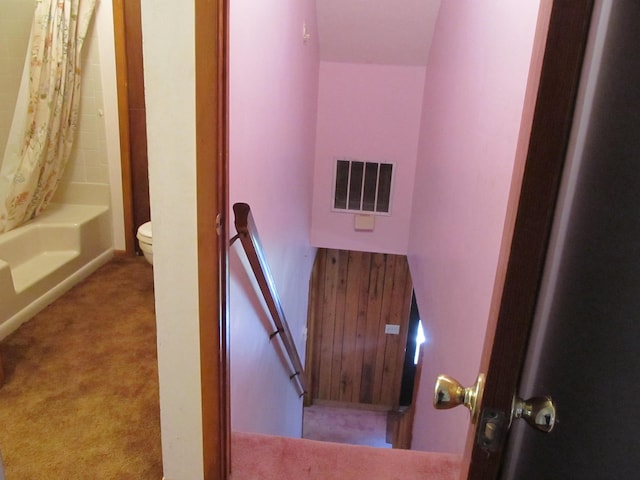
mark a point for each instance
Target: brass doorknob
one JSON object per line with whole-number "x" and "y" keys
{"x": 539, "y": 412}
{"x": 450, "y": 393}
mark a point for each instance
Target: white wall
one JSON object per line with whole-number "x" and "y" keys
{"x": 473, "y": 101}
{"x": 170, "y": 99}
{"x": 273, "y": 91}
{"x": 109, "y": 114}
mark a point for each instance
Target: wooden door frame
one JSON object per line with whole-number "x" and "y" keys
{"x": 122, "y": 73}
{"x": 530, "y": 216}
{"x": 525, "y": 241}
{"x": 211, "y": 77}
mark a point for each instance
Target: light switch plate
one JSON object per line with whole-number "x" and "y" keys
{"x": 392, "y": 329}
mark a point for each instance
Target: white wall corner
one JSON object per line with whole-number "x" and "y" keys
{"x": 106, "y": 46}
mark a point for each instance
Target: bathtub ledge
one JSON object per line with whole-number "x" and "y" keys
{"x": 11, "y": 324}
{"x": 38, "y": 267}
{"x": 47, "y": 256}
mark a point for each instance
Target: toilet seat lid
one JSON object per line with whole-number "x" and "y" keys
{"x": 145, "y": 230}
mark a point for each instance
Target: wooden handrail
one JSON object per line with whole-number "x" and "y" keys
{"x": 248, "y": 235}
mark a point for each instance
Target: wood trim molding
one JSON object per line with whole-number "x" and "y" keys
{"x": 211, "y": 37}
{"x": 403, "y": 435}
{"x": 123, "y": 121}
{"x": 312, "y": 326}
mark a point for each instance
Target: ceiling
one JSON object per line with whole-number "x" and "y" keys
{"x": 393, "y": 32}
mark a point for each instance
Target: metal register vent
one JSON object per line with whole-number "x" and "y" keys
{"x": 363, "y": 186}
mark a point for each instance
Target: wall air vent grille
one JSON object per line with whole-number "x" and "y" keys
{"x": 363, "y": 187}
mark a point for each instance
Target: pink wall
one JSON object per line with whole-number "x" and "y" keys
{"x": 273, "y": 78}
{"x": 474, "y": 93}
{"x": 366, "y": 112}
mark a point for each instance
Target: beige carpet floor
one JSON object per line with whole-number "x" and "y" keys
{"x": 80, "y": 399}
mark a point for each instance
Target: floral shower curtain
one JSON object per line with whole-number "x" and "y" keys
{"x": 57, "y": 34}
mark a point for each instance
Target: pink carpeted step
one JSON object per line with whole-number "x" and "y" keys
{"x": 263, "y": 457}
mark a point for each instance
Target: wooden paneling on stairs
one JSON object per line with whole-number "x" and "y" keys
{"x": 353, "y": 295}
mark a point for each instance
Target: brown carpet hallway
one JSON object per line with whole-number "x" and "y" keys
{"x": 80, "y": 398}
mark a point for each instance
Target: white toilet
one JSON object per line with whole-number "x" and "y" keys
{"x": 145, "y": 240}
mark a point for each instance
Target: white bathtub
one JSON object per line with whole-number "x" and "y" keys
{"x": 42, "y": 259}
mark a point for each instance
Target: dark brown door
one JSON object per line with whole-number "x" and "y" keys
{"x": 518, "y": 284}
{"x": 359, "y": 319}
{"x": 584, "y": 347}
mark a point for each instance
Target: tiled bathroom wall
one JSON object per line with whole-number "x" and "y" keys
{"x": 88, "y": 162}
